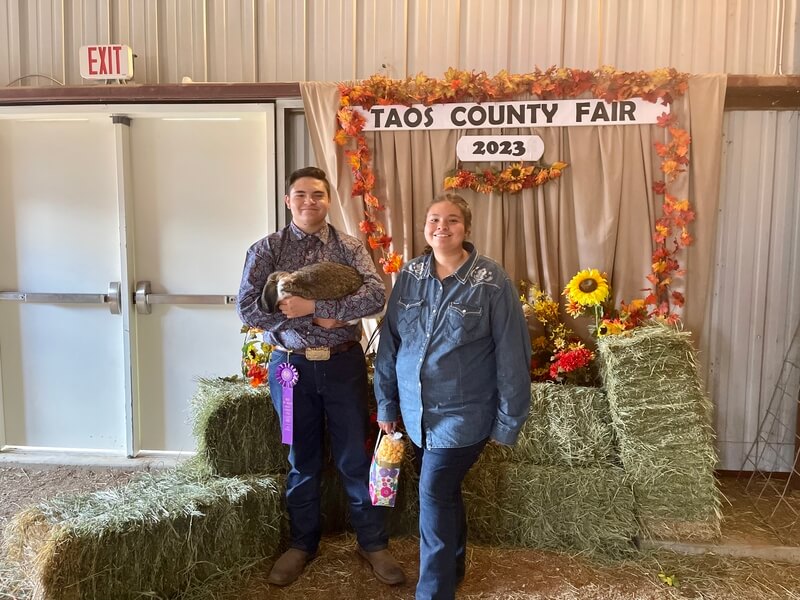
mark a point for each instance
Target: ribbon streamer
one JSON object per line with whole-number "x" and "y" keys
{"x": 287, "y": 376}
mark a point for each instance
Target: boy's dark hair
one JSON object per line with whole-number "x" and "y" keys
{"x": 312, "y": 172}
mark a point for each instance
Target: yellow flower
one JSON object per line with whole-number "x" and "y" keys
{"x": 587, "y": 288}
{"x": 546, "y": 310}
{"x": 515, "y": 174}
{"x": 539, "y": 343}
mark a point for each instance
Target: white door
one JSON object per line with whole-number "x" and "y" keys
{"x": 203, "y": 191}
{"x": 61, "y": 353}
{"x": 166, "y": 196}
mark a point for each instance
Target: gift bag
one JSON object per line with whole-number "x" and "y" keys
{"x": 384, "y": 471}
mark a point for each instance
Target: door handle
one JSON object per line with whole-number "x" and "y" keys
{"x": 144, "y": 299}
{"x": 112, "y": 297}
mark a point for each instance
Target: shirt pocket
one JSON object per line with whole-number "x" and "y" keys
{"x": 462, "y": 322}
{"x": 409, "y": 313}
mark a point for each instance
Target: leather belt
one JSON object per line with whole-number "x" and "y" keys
{"x": 320, "y": 352}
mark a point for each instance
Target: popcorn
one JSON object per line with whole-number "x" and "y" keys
{"x": 390, "y": 450}
{"x": 384, "y": 471}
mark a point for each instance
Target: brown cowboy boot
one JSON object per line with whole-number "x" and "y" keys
{"x": 386, "y": 569}
{"x": 288, "y": 567}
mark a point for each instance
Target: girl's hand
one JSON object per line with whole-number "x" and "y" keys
{"x": 387, "y": 427}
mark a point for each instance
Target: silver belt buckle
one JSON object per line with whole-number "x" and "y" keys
{"x": 318, "y": 353}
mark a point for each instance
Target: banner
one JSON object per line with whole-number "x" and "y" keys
{"x": 526, "y": 113}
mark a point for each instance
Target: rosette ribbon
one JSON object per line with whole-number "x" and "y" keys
{"x": 287, "y": 376}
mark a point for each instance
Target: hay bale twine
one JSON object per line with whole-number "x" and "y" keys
{"x": 175, "y": 535}
{"x": 568, "y": 426}
{"x": 662, "y": 418}
{"x": 589, "y": 509}
{"x": 237, "y": 430}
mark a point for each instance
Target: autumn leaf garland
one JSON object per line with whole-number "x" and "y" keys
{"x": 671, "y": 229}
{"x": 556, "y": 82}
{"x": 513, "y": 179}
{"x": 607, "y": 83}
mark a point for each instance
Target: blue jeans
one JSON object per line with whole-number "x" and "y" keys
{"x": 333, "y": 391}
{"x": 442, "y": 520}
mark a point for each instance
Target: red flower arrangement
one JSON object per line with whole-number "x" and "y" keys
{"x": 255, "y": 356}
{"x": 558, "y": 354}
{"x": 257, "y": 374}
{"x": 569, "y": 360}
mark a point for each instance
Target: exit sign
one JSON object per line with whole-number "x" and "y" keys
{"x": 113, "y": 61}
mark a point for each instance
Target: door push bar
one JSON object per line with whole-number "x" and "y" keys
{"x": 144, "y": 299}
{"x": 113, "y": 298}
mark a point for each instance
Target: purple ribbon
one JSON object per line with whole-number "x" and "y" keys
{"x": 287, "y": 376}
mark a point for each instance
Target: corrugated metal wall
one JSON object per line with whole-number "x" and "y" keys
{"x": 329, "y": 40}
{"x": 755, "y": 310}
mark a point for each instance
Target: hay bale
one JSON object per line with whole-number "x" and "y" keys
{"x": 238, "y": 433}
{"x": 662, "y": 418}
{"x": 173, "y": 535}
{"x": 589, "y": 509}
{"x": 568, "y": 426}
{"x": 237, "y": 430}
{"x": 528, "y": 506}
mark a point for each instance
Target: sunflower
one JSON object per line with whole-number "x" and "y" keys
{"x": 515, "y": 173}
{"x": 610, "y": 327}
{"x": 587, "y": 288}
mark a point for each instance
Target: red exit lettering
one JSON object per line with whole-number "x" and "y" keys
{"x": 112, "y": 61}
{"x": 105, "y": 60}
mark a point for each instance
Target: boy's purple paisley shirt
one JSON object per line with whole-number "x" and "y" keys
{"x": 289, "y": 250}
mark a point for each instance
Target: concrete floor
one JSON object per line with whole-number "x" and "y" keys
{"x": 49, "y": 457}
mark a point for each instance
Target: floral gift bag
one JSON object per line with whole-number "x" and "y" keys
{"x": 384, "y": 471}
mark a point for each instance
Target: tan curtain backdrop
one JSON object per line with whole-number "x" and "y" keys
{"x": 599, "y": 214}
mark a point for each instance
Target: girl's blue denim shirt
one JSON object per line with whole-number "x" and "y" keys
{"x": 454, "y": 355}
